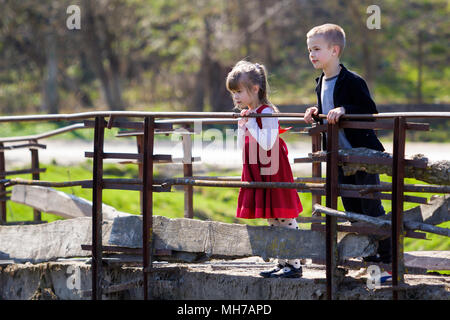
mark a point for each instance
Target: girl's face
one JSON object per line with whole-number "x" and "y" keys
{"x": 244, "y": 97}
{"x": 320, "y": 53}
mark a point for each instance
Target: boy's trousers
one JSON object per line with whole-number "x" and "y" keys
{"x": 369, "y": 207}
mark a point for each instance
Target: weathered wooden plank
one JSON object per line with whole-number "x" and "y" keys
{"x": 413, "y": 225}
{"x": 24, "y": 171}
{"x": 382, "y": 223}
{"x": 63, "y": 238}
{"x": 436, "y": 172}
{"x": 363, "y": 228}
{"x": 49, "y": 241}
{"x": 57, "y": 202}
{"x": 351, "y": 216}
{"x": 430, "y": 260}
{"x": 233, "y": 240}
{"x": 435, "y": 212}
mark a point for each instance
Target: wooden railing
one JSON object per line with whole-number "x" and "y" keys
{"x": 145, "y": 132}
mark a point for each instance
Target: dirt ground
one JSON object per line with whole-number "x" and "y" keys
{"x": 215, "y": 279}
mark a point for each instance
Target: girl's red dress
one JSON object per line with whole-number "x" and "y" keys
{"x": 267, "y": 203}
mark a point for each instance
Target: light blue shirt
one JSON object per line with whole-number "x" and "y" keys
{"x": 326, "y": 95}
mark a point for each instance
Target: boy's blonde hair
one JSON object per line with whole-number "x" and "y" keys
{"x": 333, "y": 34}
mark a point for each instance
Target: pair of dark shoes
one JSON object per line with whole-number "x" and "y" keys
{"x": 283, "y": 271}
{"x": 378, "y": 258}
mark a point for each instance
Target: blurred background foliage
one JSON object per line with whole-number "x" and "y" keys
{"x": 174, "y": 55}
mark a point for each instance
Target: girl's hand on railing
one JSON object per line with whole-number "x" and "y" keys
{"x": 243, "y": 121}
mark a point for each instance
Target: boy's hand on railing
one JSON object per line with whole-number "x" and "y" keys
{"x": 334, "y": 115}
{"x": 309, "y": 114}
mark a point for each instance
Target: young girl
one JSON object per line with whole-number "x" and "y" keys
{"x": 265, "y": 159}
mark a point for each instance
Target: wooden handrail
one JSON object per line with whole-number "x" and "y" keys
{"x": 43, "y": 135}
{"x": 215, "y": 115}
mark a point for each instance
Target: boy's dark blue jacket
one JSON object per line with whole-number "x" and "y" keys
{"x": 351, "y": 92}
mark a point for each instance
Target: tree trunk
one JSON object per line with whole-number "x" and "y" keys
{"x": 110, "y": 84}
{"x": 198, "y": 99}
{"x": 244, "y": 22}
{"x": 219, "y": 96}
{"x": 367, "y": 57}
{"x": 50, "y": 97}
{"x": 268, "y": 58}
{"x": 365, "y": 40}
{"x": 71, "y": 85}
{"x": 115, "y": 100}
{"x": 419, "y": 66}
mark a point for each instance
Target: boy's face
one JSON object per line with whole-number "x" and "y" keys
{"x": 321, "y": 54}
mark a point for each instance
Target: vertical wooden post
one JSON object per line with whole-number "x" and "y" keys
{"x": 187, "y": 172}
{"x": 140, "y": 148}
{"x": 331, "y": 202}
{"x": 2, "y": 186}
{"x": 398, "y": 174}
{"x": 147, "y": 212}
{"x": 97, "y": 189}
{"x": 316, "y": 167}
{"x": 35, "y": 176}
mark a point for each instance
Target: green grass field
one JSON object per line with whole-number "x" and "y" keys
{"x": 217, "y": 204}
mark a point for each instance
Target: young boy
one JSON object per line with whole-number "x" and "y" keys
{"x": 340, "y": 91}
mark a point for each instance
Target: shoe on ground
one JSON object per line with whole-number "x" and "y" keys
{"x": 289, "y": 271}
{"x": 382, "y": 278}
{"x": 266, "y": 274}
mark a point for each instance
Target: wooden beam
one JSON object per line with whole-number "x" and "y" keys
{"x": 435, "y": 172}
{"x": 2, "y": 186}
{"x": 35, "y": 176}
{"x": 233, "y": 240}
{"x": 147, "y": 204}
{"x": 188, "y": 172}
{"x": 316, "y": 145}
{"x": 372, "y": 161}
{"x": 332, "y": 252}
{"x": 398, "y": 197}
{"x": 435, "y": 212}
{"x": 57, "y": 202}
{"x": 412, "y": 225}
{"x": 382, "y": 223}
{"x": 97, "y": 217}
{"x": 363, "y": 228}
{"x": 206, "y": 239}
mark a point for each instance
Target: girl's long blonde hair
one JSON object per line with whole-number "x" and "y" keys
{"x": 248, "y": 74}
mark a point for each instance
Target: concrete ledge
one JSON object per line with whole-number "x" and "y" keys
{"x": 223, "y": 280}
